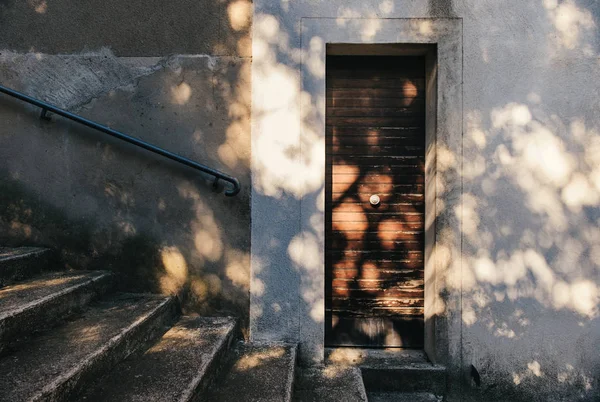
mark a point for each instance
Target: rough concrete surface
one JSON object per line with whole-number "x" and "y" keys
{"x": 54, "y": 366}
{"x": 392, "y": 370}
{"x": 403, "y": 397}
{"x": 108, "y": 205}
{"x": 524, "y": 263}
{"x": 23, "y": 262}
{"x": 257, "y": 373}
{"x": 331, "y": 383}
{"x": 44, "y": 301}
{"x": 136, "y": 28}
{"x": 177, "y": 368}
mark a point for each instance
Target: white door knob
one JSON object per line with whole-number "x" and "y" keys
{"x": 374, "y": 200}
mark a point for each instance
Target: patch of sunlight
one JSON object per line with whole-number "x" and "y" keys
{"x": 356, "y": 214}
{"x": 205, "y": 229}
{"x": 475, "y": 134}
{"x": 351, "y": 174}
{"x": 474, "y": 166}
{"x": 561, "y": 294}
{"x": 512, "y": 114}
{"x": 127, "y": 228}
{"x": 535, "y": 368}
{"x": 317, "y": 224}
{"x": 305, "y": 251}
{"x": 346, "y": 13}
{"x": 256, "y": 359}
{"x": 544, "y": 154}
{"x": 278, "y": 162}
{"x": 425, "y": 28}
{"x": 237, "y": 268}
{"x": 31, "y": 286}
{"x": 513, "y": 268}
{"x": 181, "y": 94}
{"x": 446, "y": 159}
{"x": 386, "y": 7}
{"x": 574, "y": 27}
{"x": 485, "y": 270}
{"x": 370, "y": 28}
{"x": 579, "y": 193}
{"x": 467, "y": 212}
{"x": 539, "y": 268}
{"x": 315, "y": 58}
{"x": 89, "y": 333}
{"x": 39, "y": 6}
{"x": 317, "y": 311}
{"x": 468, "y": 315}
{"x": 176, "y": 270}
{"x": 585, "y": 298}
{"x": 516, "y": 379}
{"x": 240, "y": 14}
{"x": 208, "y": 245}
{"x": 257, "y": 287}
{"x": 23, "y": 229}
{"x": 206, "y": 286}
{"x": 346, "y": 356}
{"x": 505, "y": 332}
{"x": 333, "y": 371}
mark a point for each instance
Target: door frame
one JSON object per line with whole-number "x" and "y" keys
{"x": 440, "y": 40}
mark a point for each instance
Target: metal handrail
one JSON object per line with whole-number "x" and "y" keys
{"x": 46, "y": 107}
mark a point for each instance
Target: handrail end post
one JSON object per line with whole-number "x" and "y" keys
{"x": 236, "y": 188}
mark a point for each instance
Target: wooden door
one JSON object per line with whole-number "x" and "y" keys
{"x": 374, "y": 252}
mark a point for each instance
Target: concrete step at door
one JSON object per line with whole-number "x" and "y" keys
{"x": 59, "y": 364}
{"x": 256, "y": 373}
{"x": 403, "y": 397}
{"x": 393, "y": 370}
{"x": 45, "y": 300}
{"x": 425, "y": 378}
{"x": 24, "y": 262}
{"x": 332, "y": 383}
{"x": 179, "y": 367}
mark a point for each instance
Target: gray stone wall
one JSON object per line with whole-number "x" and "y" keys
{"x": 176, "y": 74}
{"x": 529, "y": 269}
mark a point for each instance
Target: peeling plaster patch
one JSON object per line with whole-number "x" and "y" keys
{"x": 70, "y": 81}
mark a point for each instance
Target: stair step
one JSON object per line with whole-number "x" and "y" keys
{"x": 177, "y": 368}
{"x": 424, "y": 377}
{"x": 58, "y": 364}
{"x": 403, "y": 397}
{"x": 23, "y": 262}
{"x": 258, "y": 373}
{"x": 42, "y": 302}
{"x": 393, "y": 370}
{"x": 329, "y": 384}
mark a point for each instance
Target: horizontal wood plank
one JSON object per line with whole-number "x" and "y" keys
{"x": 395, "y": 93}
{"x": 375, "y": 112}
{"x": 334, "y": 82}
{"x": 370, "y": 102}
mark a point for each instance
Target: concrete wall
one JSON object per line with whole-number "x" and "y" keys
{"x": 176, "y": 74}
{"x": 528, "y": 267}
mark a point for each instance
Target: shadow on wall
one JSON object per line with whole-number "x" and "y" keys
{"x": 530, "y": 207}
{"x": 105, "y": 204}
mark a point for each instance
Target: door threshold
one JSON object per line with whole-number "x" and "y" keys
{"x": 389, "y": 357}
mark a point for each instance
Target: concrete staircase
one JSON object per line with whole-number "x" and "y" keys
{"x": 66, "y": 336}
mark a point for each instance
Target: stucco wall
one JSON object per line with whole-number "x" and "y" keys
{"x": 529, "y": 276}
{"x": 176, "y": 74}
